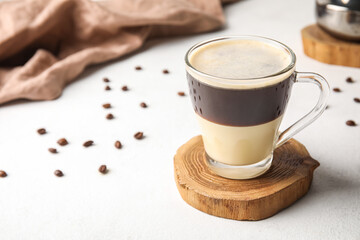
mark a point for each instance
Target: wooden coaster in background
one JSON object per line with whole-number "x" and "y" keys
{"x": 323, "y": 47}
{"x": 288, "y": 179}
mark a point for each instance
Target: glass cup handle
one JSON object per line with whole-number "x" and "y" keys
{"x": 319, "y": 108}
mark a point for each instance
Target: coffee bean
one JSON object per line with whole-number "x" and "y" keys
{"x": 106, "y": 105}
{"x": 109, "y": 116}
{"x": 139, "y": 135}
{"x": 165, "y": 71}
{"x": 138, "y": 68}
{"x": 118, "y": 144}
{"x": 106, "y": 80}
{"x": 143, "y": 105}
{"x": 336, "y": 90}
{"x": 41, "y": 131}
{"x": 3, "y": 174}
{"x": 125, "y": 88}
{"x": 52, "y": 150}
{"x": 103, "y": 169}
{"x": 181, "y": 94}
{"x": 349, "y": 80}
{"x": 107, "y": 88}
{"x": 62, "y": 142}
{"x": 350, "y": 123}
{"x": 88, "y": 143}
{"x": 357, "y": 100}
{"x": 58, "y": 173}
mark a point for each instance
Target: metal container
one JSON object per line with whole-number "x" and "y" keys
{"x": 341, "y": 18}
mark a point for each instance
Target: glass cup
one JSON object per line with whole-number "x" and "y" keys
{"x": 240, "y": 118}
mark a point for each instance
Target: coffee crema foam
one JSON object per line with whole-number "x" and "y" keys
{"x": 239, "y": 59}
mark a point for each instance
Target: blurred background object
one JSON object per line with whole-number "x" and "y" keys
{"x": 340, "y": 18}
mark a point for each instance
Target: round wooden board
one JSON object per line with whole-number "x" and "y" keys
{"x": 323, "y": 47}
{"x": 288, "y": 179}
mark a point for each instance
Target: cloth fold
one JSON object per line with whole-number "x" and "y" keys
{"x": 45, "y": 44}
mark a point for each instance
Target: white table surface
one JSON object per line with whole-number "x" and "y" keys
{"x": 138, "y": 198}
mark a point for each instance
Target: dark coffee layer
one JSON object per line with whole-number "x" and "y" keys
{"x": 240, "y": 107}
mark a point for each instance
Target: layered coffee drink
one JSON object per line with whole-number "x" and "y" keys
{"x": 239, "y": 88}
{"x": 238, "y": 111}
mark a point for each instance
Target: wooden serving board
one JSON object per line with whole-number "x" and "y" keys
{"x": 323, "y": 47}
{"x": 288, "y": 179}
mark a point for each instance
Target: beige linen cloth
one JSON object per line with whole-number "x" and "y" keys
{"x": 45, "y": 44}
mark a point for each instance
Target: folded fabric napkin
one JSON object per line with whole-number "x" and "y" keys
{"x": 45, "y": 44}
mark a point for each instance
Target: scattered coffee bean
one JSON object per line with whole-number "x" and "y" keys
{"x": 350, "y": 123}
{"x": 165, "y": 71}
{"x": 58, "y": 173}
{"x": 143, "y": 105}
{"x": 3, "y": 174}
{"x": 139, "y": 135}
{"x": 109, "y": 116}
{"x": 106, "y": 80}
{"x": 349, "y": 80}
{"x": 181, "y": 94}
{"x": 336, "y": 89}
{"x": 138, "y": 68}
{"x": 106, "y": 105}
{"x": 118, "y": 144}
{"x": 62, "y": 142}
{"x": 41, "y": 131}
{"x": 124, "y": 88}
{"x": 88, "y": 143}
{"x": 357, "y": 100}
{"x": 52, "y": 150}
{"x": 103, "y": 169}
{"x": 107, "y": 88}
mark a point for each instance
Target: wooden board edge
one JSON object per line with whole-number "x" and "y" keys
{"x": 312, "y": 46}
{"x": 256, "y": 209}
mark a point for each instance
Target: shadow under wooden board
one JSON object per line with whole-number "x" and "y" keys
{"x": 288, "y": 179}
{"x": 325, "y": 48}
